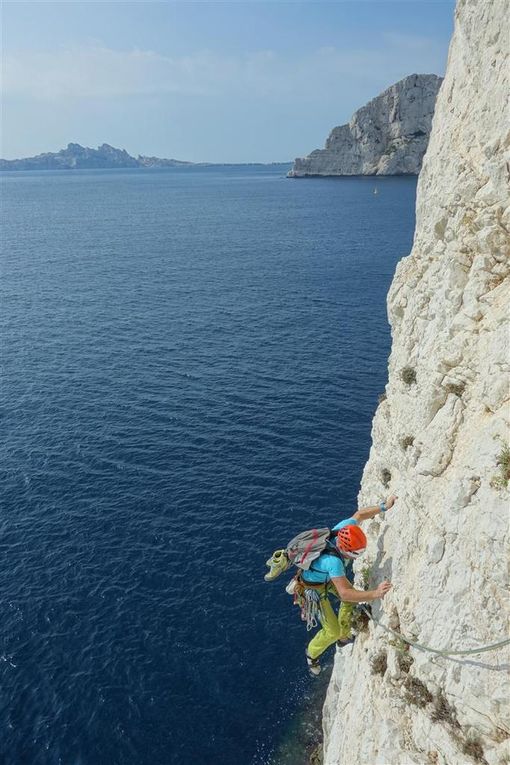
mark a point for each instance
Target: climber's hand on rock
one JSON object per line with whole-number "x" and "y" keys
{"x": 383, "y": 588}
{"x": 390, "y": 501}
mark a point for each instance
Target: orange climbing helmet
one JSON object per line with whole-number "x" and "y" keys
{"x": 351, "y": 541}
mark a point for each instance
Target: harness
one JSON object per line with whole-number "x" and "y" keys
{"x": 309, "y": 595}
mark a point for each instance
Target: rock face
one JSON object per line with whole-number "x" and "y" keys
{"x": 388, "y": 136}
{"x": 76, "y": 157}
{"x": 439, "y": 441}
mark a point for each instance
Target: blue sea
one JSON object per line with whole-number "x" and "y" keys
{"x": 191, "y": 362}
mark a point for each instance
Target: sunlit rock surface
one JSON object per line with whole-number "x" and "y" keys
{"x": 388, "y": 136}
{"x": 442, "y": 438}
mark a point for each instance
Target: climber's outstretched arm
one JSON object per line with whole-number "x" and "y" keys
{"x": 364, "y": 513}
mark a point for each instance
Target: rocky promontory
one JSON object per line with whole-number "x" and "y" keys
{"x": 388, "y": 136}
{"x": 76, "y": 157}
{"x": 106, "y": 157}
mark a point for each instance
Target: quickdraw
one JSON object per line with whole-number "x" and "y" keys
{"x": 309, "y": 602}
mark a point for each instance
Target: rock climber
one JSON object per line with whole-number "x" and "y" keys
{"x": 330, "y": 571}
{"x": 331, "y": 576}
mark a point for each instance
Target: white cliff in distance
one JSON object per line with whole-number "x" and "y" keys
{"x": 388, "y": 136}
{"x": 440, "y": 442}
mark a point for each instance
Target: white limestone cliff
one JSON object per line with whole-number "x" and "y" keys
{"x": 387, "y": 136}
{"x": 440, "y": 433}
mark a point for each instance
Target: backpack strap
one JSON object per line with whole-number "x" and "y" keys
{"x": 328, "y": 551}
{"x": 331, "y": 548}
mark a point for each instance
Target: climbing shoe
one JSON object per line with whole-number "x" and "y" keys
{"x": 314, "y": 666}
{"x": 277, "y": 564}
{"x": 345, "y": 641}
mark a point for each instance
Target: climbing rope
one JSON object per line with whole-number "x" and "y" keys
{"x": 440, "y": 652}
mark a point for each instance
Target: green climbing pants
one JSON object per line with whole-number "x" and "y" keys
{"x": 333, "y": 627}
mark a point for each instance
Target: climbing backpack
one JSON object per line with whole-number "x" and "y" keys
{"x": 301, "y": 551}
{"x": 306, "y": 547}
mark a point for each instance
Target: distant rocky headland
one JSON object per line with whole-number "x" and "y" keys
{"x": 387, "y": 136}
{"x": 76, "y": 157}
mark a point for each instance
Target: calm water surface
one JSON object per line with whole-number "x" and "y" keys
{"x": 191, "y": 361}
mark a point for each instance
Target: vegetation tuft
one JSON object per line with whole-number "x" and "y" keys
{"x": 503, "y": 462}
{"x": 444, "y": 712}
{"x": 379, "y": 663}
{"x": 317, "y": 755}
{"x": 385, "y": 477}
{"x": 365, "y": 572}
{"x": 406, "y": 442}
{"x": 417, "y": 692}
{"x": 399, "y": 644}
{"x": 470, "y": 744}
{"x": 458, "y": 389}
{"x": 408, "y": 375}
{"x": 405, "y": 661}
{"x": 473, "y": 748}
{"x": 360, "y": 621}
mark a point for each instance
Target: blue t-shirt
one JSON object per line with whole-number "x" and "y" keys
{"x": 327, "y": 566}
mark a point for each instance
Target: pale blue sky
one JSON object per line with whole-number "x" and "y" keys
{"x": 206, "y": 81}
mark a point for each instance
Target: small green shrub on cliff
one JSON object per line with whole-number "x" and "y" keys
{"x": 405, "y": 661}
{"x": 473, "y": 748}
{"x": 385, "y": 477}
{"x": 408, "y": 375}
{"x": 458, "y": 389}
{"x": 444, "y": 712}
{"x": 365, "y": 573}
{"x": 317, "y": 755}
{"x": 399, "y": 644}
{"x": 417, "y": 692}
{"x": 406, "y": 442}
{"x": 503, "y": 462}
{"x": 379, "y": 663}
{"x": 360, "y": 621}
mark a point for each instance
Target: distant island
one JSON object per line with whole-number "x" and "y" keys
{"x": 387, "y": 136}
{"x": 105, "y": 157}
